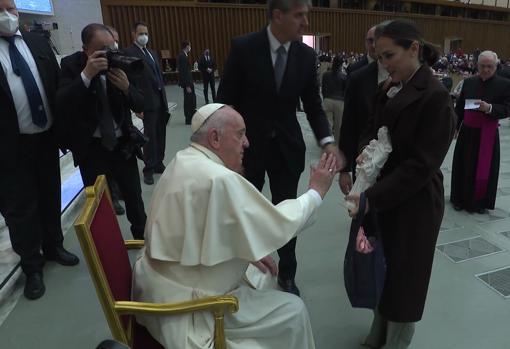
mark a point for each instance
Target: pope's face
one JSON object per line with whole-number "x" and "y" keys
{"x": 233, "y": 141}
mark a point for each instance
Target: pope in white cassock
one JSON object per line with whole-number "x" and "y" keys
{"x": 206, "y": 224}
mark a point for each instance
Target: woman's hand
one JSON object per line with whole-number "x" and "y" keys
{"x": 354, "y": 198}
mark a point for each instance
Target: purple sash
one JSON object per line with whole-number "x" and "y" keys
{"x": 488, "y": 127}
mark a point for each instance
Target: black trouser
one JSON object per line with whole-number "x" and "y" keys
{"x": 190, "y": 103}
{"x": 30, "y": 200}
{"x": 283, "y": 184}
{"x": 114, "y": 189}
{"x": 208, "y": 79}
{"x": 125, "y": 172}
{"x": 154, "y": 127}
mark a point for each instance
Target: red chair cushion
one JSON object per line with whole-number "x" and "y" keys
{"x": 112, "y": 251}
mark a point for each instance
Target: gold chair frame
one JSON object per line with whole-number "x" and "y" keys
{"x": 217, "y": 305}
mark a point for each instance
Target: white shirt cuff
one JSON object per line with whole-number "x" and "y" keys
{"x": 86, "y": 81}
{"x": 315, "y": 196}
{"x": 326, "y": 140}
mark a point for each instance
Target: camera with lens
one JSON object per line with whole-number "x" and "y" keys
{"x": 117, "y": 59}
{"x": 133, "y": 143}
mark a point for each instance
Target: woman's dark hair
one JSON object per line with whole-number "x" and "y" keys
{"x": 403, "y": 33}
{"x": 336, "y": 65}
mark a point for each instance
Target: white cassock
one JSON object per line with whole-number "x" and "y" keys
{"x": 206, "y": 223}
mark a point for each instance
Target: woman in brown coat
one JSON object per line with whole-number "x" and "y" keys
{"x": 408, "y": 196}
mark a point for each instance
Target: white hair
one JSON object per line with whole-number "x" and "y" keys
{"x": 489, "y": 54}
{"x": 217, "y": 120}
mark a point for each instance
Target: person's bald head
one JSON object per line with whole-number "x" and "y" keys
{"x": 224, "y": 133}
{"x": 370, "y": 43}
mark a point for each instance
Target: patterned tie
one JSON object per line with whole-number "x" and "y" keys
{"x": 279, "y": 66}
{"x": 21, "y": 69}
{"x": 154, "y": 66}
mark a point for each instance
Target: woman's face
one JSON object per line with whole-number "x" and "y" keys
{"x": 400, "y": 63}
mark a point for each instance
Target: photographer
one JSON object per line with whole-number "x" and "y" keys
{"x": 94, "y": 101}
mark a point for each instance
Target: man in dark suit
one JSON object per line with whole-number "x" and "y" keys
{"x": 30, "y": 171}
{"x": 186, "y": 82}
{"x": 265, "y": 74}
{"x": 94, "y": 104}
{"x": 369, "y": 57}
{"x": 359, "y": 99}
{"x": 207, "y": 66}
{"x": 155, "y": 114}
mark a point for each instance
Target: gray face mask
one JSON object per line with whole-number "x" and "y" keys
{"x": 142, "y": 39}
{"x": 8, "y": 22}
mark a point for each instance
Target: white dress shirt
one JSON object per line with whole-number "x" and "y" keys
{"x": 19, "y": 96}
{"x": 274, "y": 45}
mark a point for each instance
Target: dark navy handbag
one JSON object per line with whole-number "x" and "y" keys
{"x": 364, "y": 273}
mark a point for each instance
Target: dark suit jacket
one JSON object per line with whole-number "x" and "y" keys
{"x": 351, "y": 68}
{"x": 359, "y": 103}
{"x": 408, "y": 196}
{"x": 78, "y": 105}
{"x": 185, "y": 77}
{"x": 249, "y": 85}
{"x": 203, "y": 65}
{"x": 149, "y": 81}
{"x": 49, "y": 71}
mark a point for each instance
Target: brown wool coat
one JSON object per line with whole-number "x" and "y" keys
{"x": 408, "y": 196}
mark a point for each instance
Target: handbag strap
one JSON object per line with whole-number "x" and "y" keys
{"x": 361, "y": 208}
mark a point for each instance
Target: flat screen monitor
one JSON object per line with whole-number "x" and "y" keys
{"x": 38, "y": 7}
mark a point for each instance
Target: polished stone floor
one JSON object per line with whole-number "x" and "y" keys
{"x": 461, "y": 311}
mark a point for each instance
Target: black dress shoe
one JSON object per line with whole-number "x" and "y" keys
{"x": 289, "y": 286}
{"x": 148, "y": 179}
{"x": 61, "y": 256}
{"x": 117, "y": 207}
{"x": 34, "y": 286}
{"x": 160, "y": 169}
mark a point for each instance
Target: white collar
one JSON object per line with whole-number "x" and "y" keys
{"x": 186, "y": 53}
{"x": 370, "y": 59}
{"x": 274, "y": 43}
{"x": 207, "y": 152}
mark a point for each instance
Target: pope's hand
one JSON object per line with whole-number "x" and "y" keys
{"x": 321, "y": 176}
{"x": 265, "y": 264}
{"x": 339, "y": 156}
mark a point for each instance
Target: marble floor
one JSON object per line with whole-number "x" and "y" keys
{"x": 462, "y": 311}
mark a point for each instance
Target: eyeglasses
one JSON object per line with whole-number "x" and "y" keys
{"x": 486, "y": 66}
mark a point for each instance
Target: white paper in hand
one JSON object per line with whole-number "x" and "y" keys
{"x": 471, "y": 104}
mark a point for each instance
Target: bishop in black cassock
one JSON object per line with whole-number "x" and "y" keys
{"x": 476, "y": 158}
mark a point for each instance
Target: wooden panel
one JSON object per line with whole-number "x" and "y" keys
{"x": 214, "y": 25}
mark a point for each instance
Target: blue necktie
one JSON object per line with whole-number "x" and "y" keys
{"x": 154, "y": 67}
{"x": 21, "y": 68}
